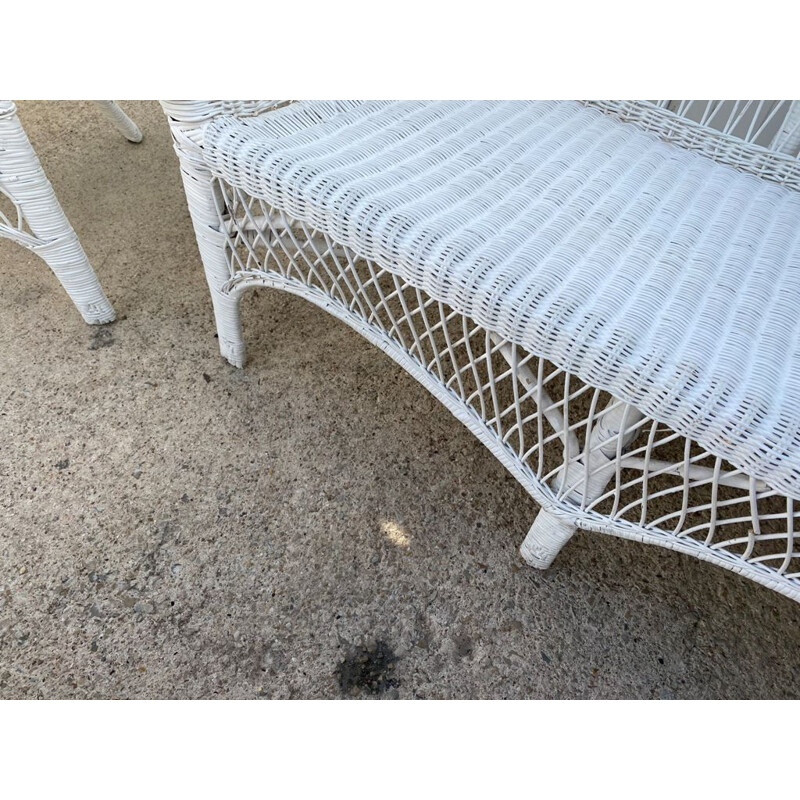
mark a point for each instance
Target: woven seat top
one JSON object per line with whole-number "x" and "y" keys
{"x": 655, "y": 273}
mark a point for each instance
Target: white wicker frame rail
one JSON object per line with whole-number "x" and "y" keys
{"x": 591, "y": 457}
{"x": 36, "y": 219}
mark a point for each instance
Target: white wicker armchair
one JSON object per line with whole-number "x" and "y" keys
{"x": 38, "y": 221}
{"x": 605, "y": 293}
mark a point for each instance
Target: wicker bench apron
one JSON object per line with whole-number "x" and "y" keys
{"x": 606, "y": 293}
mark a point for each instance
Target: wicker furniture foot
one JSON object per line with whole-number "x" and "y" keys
{"x": 601, "y": 292}
{"x": 37, "y": 220}
{"x": 120, "y": 120}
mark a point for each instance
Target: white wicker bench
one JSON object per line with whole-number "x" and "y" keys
{"x": 37, "y": 220}
{"x": 605, "y": 293}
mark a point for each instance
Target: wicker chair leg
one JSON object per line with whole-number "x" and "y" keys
{"x": 65, "y": 256}
{"x": 547, "y": 536}
{"x": 120, "y": 120}
{"x": 48, "y": 233}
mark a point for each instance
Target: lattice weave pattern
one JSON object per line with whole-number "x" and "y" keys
{"x": 663, "y": 488}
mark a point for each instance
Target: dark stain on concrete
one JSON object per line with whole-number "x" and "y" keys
{"x": 101, "y": 337}
{"x": 368, "y": 668}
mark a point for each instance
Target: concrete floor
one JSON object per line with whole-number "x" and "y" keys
{"x": 315, "y": 525}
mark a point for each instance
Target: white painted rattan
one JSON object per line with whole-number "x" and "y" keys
{"x": 36, "y": 219}
{"x": 608, "y": 312}
{"x": 120, "y": 120}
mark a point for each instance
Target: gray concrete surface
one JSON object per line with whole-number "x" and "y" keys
{"x": 313, "y": 526}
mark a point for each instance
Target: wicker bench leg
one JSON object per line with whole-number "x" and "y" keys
{"x": 49, "y": 233}
{"x": 547, "y": 536}
{"x": 212, "y": 243}
{"x": 229, "y": 327}
{"x": 609, "y": 437}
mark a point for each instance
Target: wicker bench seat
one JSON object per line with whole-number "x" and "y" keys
{"x": 647, "y": 270}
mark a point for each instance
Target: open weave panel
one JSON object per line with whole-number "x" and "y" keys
{"x": 650, "y": 271}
